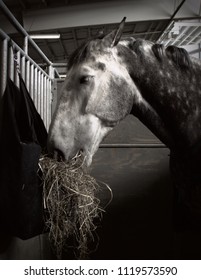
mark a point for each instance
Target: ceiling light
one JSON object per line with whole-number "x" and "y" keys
{"x": 45, "y": 36}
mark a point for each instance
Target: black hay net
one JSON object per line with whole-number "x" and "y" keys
{"x": 22, "y": 138}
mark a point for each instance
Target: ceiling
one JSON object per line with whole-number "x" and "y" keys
{"x": 77, "y": 20}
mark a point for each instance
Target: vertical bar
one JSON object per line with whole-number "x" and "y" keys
{"x": 48, "y": 102}
{"x": 27, "y": 80}
{"x": 49, "y": 113}
{"x": 16, "y": 77}
{"x": 199, "y": 52}
{"x": 3, "y": 65}
{"x": 3, "y": 75}
{"x": 11, "y": 64}
{"x": 41, "y": 96}
{"x": 45, "y": 101}
{"x": 35, "y": 87}
{"x": 38, "y": 93}
{"x": 31, "y": 87}
{"x": 51, "y": 71}
{"x": 22, "y": 69}
{"x": 25, "y": 46}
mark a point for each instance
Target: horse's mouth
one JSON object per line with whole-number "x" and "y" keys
{"x": 81, "y": 156}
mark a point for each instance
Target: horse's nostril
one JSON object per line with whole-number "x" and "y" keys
{"x": 58, "y": 155}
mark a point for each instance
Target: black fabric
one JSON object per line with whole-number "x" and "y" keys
{"x": 23, "y": 136}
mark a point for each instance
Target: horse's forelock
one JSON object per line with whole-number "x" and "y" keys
{"x": 78, "y": 55}
{"x": 85, "y": 50}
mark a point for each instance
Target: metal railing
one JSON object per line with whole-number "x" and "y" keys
{"x": 38, "y": 82}
{"x": 132, "y": 145}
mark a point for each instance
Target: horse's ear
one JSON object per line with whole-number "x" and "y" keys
{"x": 113, "y": 38}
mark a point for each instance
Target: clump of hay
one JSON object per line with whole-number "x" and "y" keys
{"x": 71, "y": 205}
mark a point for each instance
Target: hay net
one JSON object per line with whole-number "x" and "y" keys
{"x": 71, "y": 206}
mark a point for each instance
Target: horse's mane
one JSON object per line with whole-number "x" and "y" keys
{"x": 178, "y": 55}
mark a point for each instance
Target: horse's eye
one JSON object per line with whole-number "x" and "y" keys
{"x": 85, "y": 79}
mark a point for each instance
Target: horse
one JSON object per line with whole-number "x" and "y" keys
{"x": 111, "y": 76}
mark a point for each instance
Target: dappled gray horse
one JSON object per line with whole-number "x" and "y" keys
{"x": 109, "y": 78}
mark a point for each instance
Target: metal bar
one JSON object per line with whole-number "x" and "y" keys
{"x": 47, "y": 104}
{"x": 59, "y": 64}
{"x": 188, "y": 35}
{"x": 3, "y": 65}
{"x": 120, "y": 145}
{"x": 27, "y": 74}
{"x": 45, "y": 101}
{"x": 170, "y": 20}
{"x": 16, "y": 79}
{"x": 41, "y": 96}
{"x": 11, "y": 64}
{"x": 31, "y": 86}
{"x": 19, "y": 27}
{"x": 3, "y": 71}
{"x": 35, "y": 97}
{"x": 38, "y": 93}
{"x": 25, "y": 47}
{"x": 16, "y": 47}
{"x": 49, "y": 110}
{"x": 50, "y": 71}
{"x": 194, "y": 37}
{"x": 189, "y": 24}
{"x": 197, "y": 40}
{"x": 22, "y": 69}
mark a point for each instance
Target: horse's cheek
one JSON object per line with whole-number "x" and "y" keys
{"x": 112, "y": 104}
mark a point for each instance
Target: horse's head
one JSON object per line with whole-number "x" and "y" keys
{"x": 97, "y": 94}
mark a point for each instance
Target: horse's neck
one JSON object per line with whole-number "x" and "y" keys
{"x": 170, "y": 104}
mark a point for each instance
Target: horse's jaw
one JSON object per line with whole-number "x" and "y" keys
{"x": 92, "y": 135}
{"x": 83, "y": 137}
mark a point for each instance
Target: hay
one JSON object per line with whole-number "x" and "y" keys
{"x": 71, "y": 205}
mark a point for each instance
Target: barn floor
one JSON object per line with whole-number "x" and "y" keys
{"x": 138, "y": 224}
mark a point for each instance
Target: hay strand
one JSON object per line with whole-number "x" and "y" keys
{"x": 71, "y": 205}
